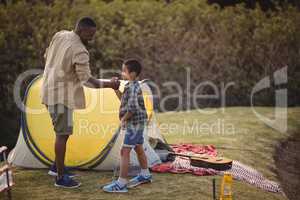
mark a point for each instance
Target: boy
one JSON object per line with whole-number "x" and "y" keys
{"x": 133, "y": 118}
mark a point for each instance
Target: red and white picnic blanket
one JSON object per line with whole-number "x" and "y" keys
{"x": 182, "y": 164}
{"x": 238, "y": 171}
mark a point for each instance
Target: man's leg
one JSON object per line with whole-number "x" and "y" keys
{"x": 62, "y": 179}
{"x": 60, "y": 152}
{"x": 63, "y": 127}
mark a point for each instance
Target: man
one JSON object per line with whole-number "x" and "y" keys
{"x": 66, "y": 71}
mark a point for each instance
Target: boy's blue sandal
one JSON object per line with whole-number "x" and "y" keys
{"x": 138, "y": 180}
{"x": 67, "y": 182}
{"x": 114, "y": 187}
{"x": 53, "y": 172}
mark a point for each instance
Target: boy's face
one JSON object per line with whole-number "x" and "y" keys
{"x": 126, "y": 75}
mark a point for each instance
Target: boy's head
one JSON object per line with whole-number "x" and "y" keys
{"x": 131, "y": 69}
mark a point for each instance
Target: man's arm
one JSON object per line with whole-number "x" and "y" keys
{"x": 82, "y": 68}
{"x": 95, "y": 83}
{"x": 52, "y": 40}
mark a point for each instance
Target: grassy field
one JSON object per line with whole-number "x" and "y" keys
{"x": 236, "y": 132}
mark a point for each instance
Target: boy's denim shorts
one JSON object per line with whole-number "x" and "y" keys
{"x": 133, "y": 136}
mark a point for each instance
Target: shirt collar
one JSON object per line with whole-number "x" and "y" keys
{"x": 129, "y": 83}
{"x": 76, "y": 37}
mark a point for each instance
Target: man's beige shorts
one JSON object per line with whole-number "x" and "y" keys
{"x": 62, "y": 119}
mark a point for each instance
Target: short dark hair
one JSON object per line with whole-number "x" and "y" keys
{"x": 86, "y": 22}
{"x": 133, "y": 65}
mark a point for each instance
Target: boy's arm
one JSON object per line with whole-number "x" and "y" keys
{"x": 127, "y": 116}
{"x": 132, "y": 105}
{"x": 119, "y": 94}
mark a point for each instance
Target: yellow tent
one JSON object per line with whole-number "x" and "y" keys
{"x": 96, "y": 138}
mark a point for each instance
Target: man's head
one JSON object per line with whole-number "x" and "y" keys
{"x": 85, "y": 28}
{"x": 131, "y": 69}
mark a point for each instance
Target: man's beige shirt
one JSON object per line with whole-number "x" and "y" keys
{"x": 67, "y": 68}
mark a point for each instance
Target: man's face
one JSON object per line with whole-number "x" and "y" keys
{"x": 87, "y": 34}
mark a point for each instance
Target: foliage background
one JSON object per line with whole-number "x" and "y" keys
{"x": 227, "y": 44}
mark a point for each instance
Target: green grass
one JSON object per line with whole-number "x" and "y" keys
{"x": 249, "y": 141}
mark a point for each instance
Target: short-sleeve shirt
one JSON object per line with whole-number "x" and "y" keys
{"x": 132, "y": 101}
{"x": 66, "y": 69}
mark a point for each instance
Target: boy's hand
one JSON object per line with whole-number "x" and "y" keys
{"x": 115, "y": 82}
{"x": 123, "y": 123}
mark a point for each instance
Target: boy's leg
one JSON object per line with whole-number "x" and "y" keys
{"x": 121, "y": 184}
{"x": 142, "y": 160}
{"x": 145, "y": 175}
{"x": 141, "y": 156}
{"x": 125, "y": 159}
{"x": 132, "y": 139}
